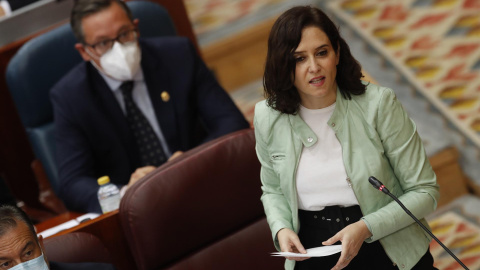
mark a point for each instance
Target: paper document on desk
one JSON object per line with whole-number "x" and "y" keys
{"x": 312, "y": 252}
{"x": 67, "y": 225}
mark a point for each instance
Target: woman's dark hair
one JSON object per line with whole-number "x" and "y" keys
{"x": 284, "y": 38}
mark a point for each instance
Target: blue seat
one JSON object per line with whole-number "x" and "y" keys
{"x": 44, "y": 60}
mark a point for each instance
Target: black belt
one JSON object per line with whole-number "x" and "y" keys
{"x": 331, "y": 217}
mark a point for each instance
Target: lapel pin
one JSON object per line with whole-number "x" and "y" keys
{"x": 165, "y": 96}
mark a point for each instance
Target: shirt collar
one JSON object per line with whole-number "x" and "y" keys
{"x": 306, "y": 134}
{"x": 114, "y": 84}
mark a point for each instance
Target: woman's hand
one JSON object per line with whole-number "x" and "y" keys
{"x": 352, "y": 238}
{"x": 289, "y": 242}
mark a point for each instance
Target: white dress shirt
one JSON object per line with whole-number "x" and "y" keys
{"x": 142, "y": 99}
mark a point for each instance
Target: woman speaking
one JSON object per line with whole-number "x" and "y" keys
{"x": 320, "y": 133}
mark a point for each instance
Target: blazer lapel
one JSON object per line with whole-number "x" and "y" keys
{"x": 106, "y": 102}
{"x": 157, "y": 81}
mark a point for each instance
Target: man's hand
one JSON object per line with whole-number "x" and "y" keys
{"x": 352, "y": 238}
{"x": 289, "y": 242}
{"x": 139, "y": 174}
{"x": 175, "y": 155}
{"x": 2, "y": 12}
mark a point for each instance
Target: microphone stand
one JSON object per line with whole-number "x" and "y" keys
{"x": 378, "y": 185}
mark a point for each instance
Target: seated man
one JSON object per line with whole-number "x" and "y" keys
{"x": 21, "y": 249}
{"x": 132, "y": 105}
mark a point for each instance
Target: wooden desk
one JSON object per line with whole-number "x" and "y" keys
{"x": 106, "y": 227}
{"x": 62, "y": 218}
{"x": 450, "y": 177}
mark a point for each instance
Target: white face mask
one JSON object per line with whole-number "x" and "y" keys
{"x": 121, "y": 62}
{"x": 34, "y": 264}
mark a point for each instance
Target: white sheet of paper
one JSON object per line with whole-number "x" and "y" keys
{"x": 67, "y": 225}
{"x": 312, "y": 252}
{"x": 87, "y": 216}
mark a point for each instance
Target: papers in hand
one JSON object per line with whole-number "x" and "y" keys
{"x": 312, "y": 252}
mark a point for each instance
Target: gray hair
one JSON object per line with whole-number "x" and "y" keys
{"x": 84, "y": 8}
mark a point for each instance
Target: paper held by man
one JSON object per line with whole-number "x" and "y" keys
{"x": 312, "y": 252}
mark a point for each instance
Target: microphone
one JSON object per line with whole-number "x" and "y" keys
{"x": 378, "y": 185}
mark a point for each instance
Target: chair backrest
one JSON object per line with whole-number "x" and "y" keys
{"x": 203, "y": 207}
{"x": 44, "y": 60}
{"x": 76, "y": 247}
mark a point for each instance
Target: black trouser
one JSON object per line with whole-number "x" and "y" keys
{"x": 319, "y": 226}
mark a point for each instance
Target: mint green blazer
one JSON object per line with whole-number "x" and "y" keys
{"x": 378, "y": 139}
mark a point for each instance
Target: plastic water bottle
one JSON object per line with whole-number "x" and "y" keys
{"x": 108, "y": 195}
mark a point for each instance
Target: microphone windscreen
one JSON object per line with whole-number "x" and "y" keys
{"x": 375, "y": 182}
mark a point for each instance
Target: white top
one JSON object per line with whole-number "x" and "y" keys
{"x": 142, "y": 99}
{"x": 321, "y": 178}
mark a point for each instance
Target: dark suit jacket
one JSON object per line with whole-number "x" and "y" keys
{"x": 80, "y": 266}
{"x": 92, "y": 134}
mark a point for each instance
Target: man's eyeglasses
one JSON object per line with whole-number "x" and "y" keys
{"x": 105, "y": 45}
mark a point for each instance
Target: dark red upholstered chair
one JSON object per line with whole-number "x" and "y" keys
{"x": 201, "y": 211}
{"x": 76, "y": 247}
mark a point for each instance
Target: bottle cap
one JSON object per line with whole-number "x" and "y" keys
{"x": 103, "y": 180}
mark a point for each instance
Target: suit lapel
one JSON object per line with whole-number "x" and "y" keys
{"x": 107, "y": 103}
{"x": 157, "y": 81}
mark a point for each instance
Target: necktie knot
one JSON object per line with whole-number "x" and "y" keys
{"x": 126, "y": 88}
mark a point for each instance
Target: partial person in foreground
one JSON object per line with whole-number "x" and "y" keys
{"x": 320, "y": 133}
{"x": 132, "y": 105}
{"x": 21, "y": 249}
